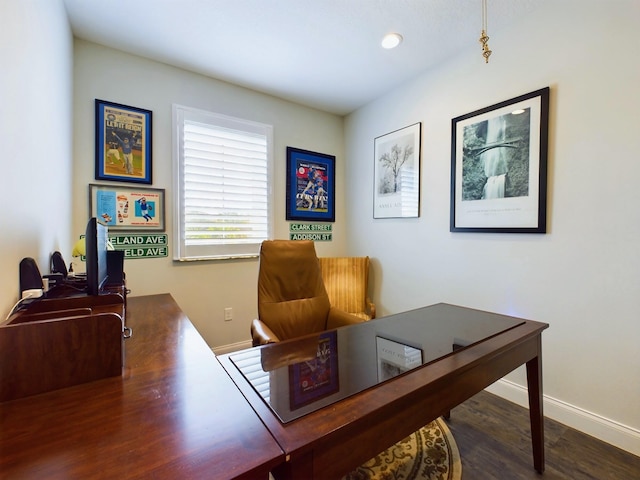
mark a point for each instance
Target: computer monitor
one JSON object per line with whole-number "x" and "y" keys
{"x": 96, "y": 238}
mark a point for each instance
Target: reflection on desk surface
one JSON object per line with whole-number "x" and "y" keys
{"x": 357, "y": 357}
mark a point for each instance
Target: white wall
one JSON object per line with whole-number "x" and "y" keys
{"x": 583, "y": 276}
{"x": 35, "y": 134}
{"x": 202, "y": 289}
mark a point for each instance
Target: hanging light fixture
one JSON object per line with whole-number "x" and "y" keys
{"x": 484, "y": 39}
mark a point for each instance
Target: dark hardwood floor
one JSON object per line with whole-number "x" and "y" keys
{"x": 493, "y": 437}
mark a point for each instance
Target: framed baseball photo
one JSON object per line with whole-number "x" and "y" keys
{"x": 123, "y": 143}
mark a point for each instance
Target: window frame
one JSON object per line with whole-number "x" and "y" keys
{"x": 181, "y": 251}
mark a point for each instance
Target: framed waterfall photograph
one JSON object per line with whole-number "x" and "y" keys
{"x": 396, "y": 173}
{"x": 499, "y": 167}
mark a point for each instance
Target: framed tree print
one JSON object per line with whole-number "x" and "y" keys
{"x": 396, "y": 189}
{"x": 123, "y": 143}
{"x": 311, "y": 181}
{"x": 499, "y": 167}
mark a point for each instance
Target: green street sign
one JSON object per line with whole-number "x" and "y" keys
{"x": 146, "y": 252}
{"x": 318, "y": 232}
{"x": 122, "y": 242}
{"x": 141, "y": 246}
{"x": 310, "y": 227}
{"x": 316, "y": 237}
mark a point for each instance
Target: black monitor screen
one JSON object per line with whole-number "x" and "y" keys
{"x": 96, "y": 238}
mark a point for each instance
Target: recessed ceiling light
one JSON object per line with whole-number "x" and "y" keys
{"x": 517, "y": 112}
{"x": 391, "y": 40}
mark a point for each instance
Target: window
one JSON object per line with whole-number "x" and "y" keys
{"x": 223, "y": 189}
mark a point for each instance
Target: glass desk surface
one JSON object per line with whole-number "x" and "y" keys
{"x": 299, "y": 376}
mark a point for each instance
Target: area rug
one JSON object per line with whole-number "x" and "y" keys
{"x": 430, "y": 453}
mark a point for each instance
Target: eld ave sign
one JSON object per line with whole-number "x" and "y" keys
{"x": 141, "y": 246}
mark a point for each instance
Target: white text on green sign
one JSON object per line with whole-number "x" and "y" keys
{"x": 122, "y": 242}
{"x": 146, "y": 252}
{"x": 316, "y": 237}
{"x": 311, "y": 227}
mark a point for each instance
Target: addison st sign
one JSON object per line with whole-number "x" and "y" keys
{"x": 318, "y": 232}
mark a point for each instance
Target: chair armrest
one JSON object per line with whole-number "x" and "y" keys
{"x": 370, "y": 308}
{"x": 261, "y": 334}
{"x": 340, "y": 318}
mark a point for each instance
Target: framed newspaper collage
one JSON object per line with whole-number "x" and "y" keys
{"x": 123, "y": 143}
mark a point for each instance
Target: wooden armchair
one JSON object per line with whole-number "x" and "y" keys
{"x": 347, "y": 282}
{"x": 292, "y": 299}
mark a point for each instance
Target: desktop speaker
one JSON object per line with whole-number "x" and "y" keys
{"x": 30, "y": 277}
{"x": 58, "y": 265}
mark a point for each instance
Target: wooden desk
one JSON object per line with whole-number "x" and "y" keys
{"x": 61, "y": 342}
{"x": 174, "y": 413}
{"x": 337, "y": 438}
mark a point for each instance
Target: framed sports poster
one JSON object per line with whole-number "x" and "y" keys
{"x": 127, "y": 208}
{"x": 310, "y": 186}
{"x": 123, "y": 143}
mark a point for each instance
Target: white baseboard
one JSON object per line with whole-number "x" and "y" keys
{"x": 232, "y": 347}
{"x": 609, "y": 431}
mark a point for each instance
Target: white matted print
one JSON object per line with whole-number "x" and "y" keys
{"x": 396, "y": 189}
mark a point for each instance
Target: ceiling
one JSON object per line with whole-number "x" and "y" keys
{"x": 322, "y": 53}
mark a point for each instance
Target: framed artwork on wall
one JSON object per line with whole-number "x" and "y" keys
{"x": 396, "y": 189}
{"x": 499, "y": 167}
{"x": 127, "y": 208}
{"x": 311, "y": 181}
{"x": 123, "y": 143}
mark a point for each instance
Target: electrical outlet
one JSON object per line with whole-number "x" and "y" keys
{"x": 228, "y": 314}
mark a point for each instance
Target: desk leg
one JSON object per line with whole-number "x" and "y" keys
{"x": 302, "y": 467}
{"x": 534, "y": 384}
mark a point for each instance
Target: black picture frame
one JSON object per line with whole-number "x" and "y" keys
{"x": 499, "y": 167}
{"x": 123, "y": 143}
{"x": 128, "y": 208}
{"x": 311, "y": 181}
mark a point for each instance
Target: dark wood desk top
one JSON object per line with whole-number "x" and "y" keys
{"x": 366, "y": 423}
{"x": 174, "y": 413}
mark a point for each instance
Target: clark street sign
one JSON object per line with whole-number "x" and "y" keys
{"x": 318, "y": 232}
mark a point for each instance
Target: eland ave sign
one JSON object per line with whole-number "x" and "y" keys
{"x": 141, "y": 246}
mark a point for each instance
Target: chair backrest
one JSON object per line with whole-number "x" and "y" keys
{"x": 347, "y": 281}
{"x": 292, "y": 299}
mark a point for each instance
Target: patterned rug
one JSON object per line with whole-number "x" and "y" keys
{"x": 430, "y": 453}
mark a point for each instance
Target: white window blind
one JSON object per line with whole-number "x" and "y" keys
{"x": 224, "y": 189}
